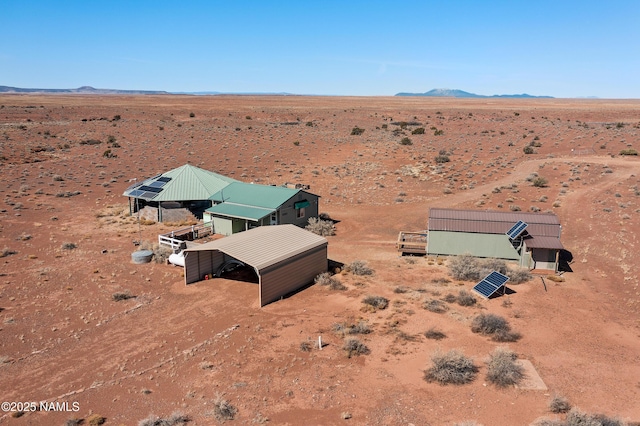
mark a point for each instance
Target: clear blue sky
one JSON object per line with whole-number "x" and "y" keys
{"x": 561, "y": 48}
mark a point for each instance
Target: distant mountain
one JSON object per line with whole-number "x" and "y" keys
{"x": 455, "y": 93}
{"x": 83, "y": 90}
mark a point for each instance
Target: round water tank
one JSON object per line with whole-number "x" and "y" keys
{"x": 141, "y": 256}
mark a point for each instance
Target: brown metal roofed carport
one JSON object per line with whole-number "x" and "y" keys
{"x": 285, "y": 258}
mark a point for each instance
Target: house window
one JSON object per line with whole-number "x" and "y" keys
{"x": 300, "y": 213}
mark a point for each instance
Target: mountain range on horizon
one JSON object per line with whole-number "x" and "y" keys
{"x": 448, "y": 93}
{"x": 456, "y": 93}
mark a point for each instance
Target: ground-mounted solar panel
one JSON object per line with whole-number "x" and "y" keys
{"x": 517, "y": 229}
{"x": 150, "y": 189}
{"x": 490, "y": 284}
{"x": 164, "y": 179}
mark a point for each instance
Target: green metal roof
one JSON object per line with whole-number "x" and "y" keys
{"x": 270, "y": 197}
{"x": 187, "y": 183}
{"x": 240, "y": 211}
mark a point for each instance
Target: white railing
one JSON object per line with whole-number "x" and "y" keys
{"x": 175, "y": 238}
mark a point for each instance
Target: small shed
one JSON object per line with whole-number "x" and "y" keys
{"x": 285, "y": 258}
{"x": 531, "y": 239}
{"x": 240, "y": 206}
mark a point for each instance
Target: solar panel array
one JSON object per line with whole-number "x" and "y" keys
{"x": 149, "y": 189}
{"x": 516, "y": 229}
{"x": 490, "y": 284}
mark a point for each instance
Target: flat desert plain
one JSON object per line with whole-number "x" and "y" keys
{"x": 67, "y": 236}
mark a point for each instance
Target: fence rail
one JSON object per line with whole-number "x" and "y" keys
{"x": 175, "y": 238}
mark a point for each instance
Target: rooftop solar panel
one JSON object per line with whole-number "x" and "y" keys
{"x": 164, "y": 179}
{"x": 147, "y": 195}
{"x": 490, "y": 284}
{"x": 150, "y": 189}
{"x": 157, "y": 184}
{"x": 135, "y": 193}
{"x": 516, "y": 229}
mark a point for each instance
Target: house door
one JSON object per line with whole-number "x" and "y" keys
{"x": 274, "y": 218}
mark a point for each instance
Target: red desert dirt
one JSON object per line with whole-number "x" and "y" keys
{"x": 116, "y": 342}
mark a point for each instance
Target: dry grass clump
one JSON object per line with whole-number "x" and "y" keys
{"x": 175, "y": 419}
{"x": 344, "y": 328}
{"x": 451, "y": 368}
{"x": 7, "y": 252}
{"x": 359, "y": 267}
{"x": 160, "y": 253}
{"x": 354, "y": 347}
{"x": 223, "y": 410}
{"x": 559, "y": 404}
{"x": 328, "y": 280}
{"x": 468, "y": 268}
{"x": 465, "y": 298}
{"x": 376, "y": 302}
{"x": 577, "y": 417}
{"x": 69, "y": 246}
{"x": 434, "y": 334}
{"x": 495, "y": 326}
{"x": 306, "y": 346}
{"x": 122, "y": 295}
{"x": 96, "y": 420}
{"x": 324, "y": 228}
{"x": 433, "y": 305}
{"x": 502, "y": 369}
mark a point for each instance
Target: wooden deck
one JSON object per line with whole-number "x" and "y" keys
{"x": 412, "y": 242}
{"x": 173, "y": 239}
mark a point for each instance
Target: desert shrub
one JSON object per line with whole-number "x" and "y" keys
{"x": 359, "y": 267}
{"x": 123, "y": 295}
{"x": 7, "y": 252}
{"x": 74, "y": 422}
{"x": 451, "y": 368}
{"x": 191, "y": 114}
{"x": 344, "y": 328}
{"x": 465, "y": 298}
{"x": 528, "y": 149}
{"x": 96, "y": 420}
{"x": 223, "y": 410}
{"x": 436, "y": 306}
{"x": 434, "y": 334}
{"x": 468, "y": 268}
{"x": 328, "y": 280}
{"x": 539, "y": 182}
{"x": 357, "y": 131}
{"x": 495, "y": 326}
{"x": 559, "y": 404}
{"x": 502, "y": 369}
{"x": 401, "y": 289}
{"x": 175, "y": 419}
{"x": 577, "y": 417}
{"x": 69, "y": 246}
{"x": 321, "y": 227}
{"x": 406, "y": 141}
{"x": 438, "y": 132}
{"x": 628, "y": 152}
{"x": 306, "y": 346}
{"x": 450, "y": 298}
{"x": 376, "y": 302}
{"x": 442, "y": 158}
{"x": 519, "y": 275}
{"x": 418, "y": 131}
{"x": 354, "y": 347}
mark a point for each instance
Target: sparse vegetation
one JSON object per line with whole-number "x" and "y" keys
{"x": 322, "y": 227}
{"x": 405, "y": 141}
{"x": 354, "y": 347}
{"x": 328, "y": 280}
{"x": 540, "y": 182}
{"x": 577, "y": 417}
{"x": 494, "y": 326}
{"x": 175, "y": 419}
{"x": 122, "y": 295}
{"x": 306, "y": 346}
{"x": 344, "y": 328}
{"x": 357, "y": 131}
{"x": 69, "y": 246}
{"x": 434, "y": 334}
{"x": 96, "y": 420}
{"x": 418, "y": 131}
{"x": 7, "y": 252}
{"x": 528, "y": 150}
{"x": 559, "y": 404}
{"x": 359, "y": 267}
{"x": 465, "y": 298}
{"x": 376, "y": 302}
{"x": 451, "y": 368}
{"x": 502, "y": 369}
{"x": 468, "y": 268}
{"x": 628, "y": 152}
{"x": 223, "y": 410}
{"x": 433, "y": 305}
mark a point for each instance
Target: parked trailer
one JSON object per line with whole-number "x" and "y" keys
{"x": 412, "y": 242}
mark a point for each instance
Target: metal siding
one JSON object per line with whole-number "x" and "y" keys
{"x": 199, "y": 263}
{"x": 479, "y": 245}
{"x": 291, "y": 274}
{"x": 490, "y": 226}
{"x": 489, "y": 215}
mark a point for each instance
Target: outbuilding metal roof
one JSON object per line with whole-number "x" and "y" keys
{"x": 240, "y": 211}
{"x": 254, "y": 195}
{"x": 185, "y": 183}
{"x": 264, "y": 246}
{"x": 544, "y": 243}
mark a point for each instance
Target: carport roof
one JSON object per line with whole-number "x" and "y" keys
{"x": 264, "y": 246}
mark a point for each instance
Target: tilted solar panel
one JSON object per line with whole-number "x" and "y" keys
{"x": 157, "y": 184}
{"x": 516, "y": 229}
{"x": 490, "y": 284}
{"x": 164, "y": 179}
{"x": 150, "y": 189}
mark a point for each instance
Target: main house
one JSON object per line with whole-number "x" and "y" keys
{"x": 531, "y": 239}
{"x": 240, "y": 206}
